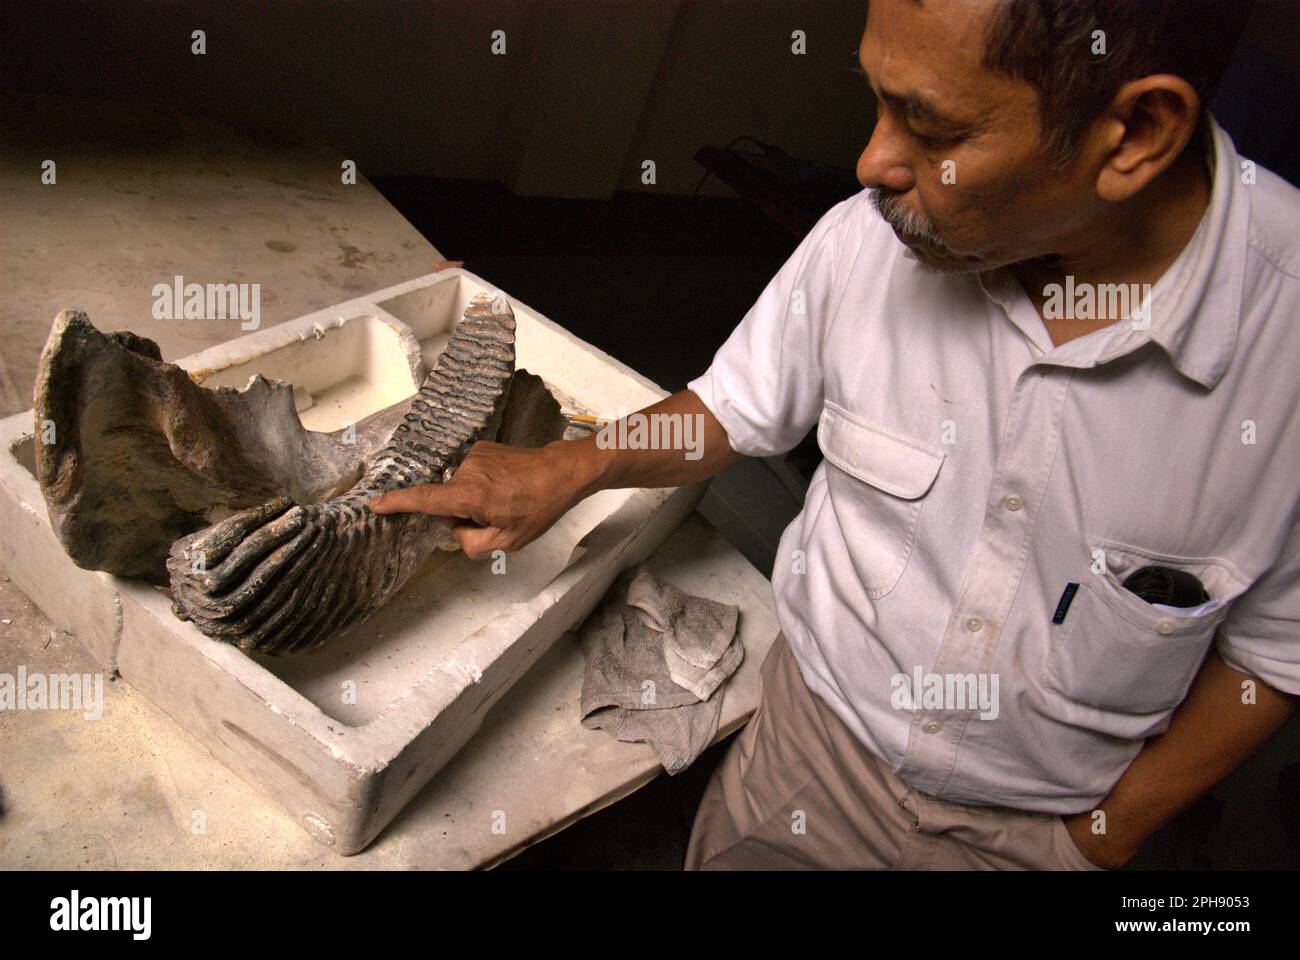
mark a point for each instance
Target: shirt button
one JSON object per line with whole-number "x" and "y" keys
{"x": 1164, "y": 627}
{"x": 932, "y": 727}
{"x": 1013, "y": 502}
{"x": 973, "y": 623}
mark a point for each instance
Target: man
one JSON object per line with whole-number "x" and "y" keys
{"x": 1053, "y": 344}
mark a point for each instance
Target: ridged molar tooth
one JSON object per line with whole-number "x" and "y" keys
{"x": 487, "y": 354}
{"x": 313, "y": 604}
{"x": 255, "y": 546}
{"x": 288, "y": 578}
{"x": 485, "y": 333}
{"x": 210, "y": 606}
{"x": 216, "y": 542}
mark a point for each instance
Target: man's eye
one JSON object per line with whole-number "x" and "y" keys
{"x": 934, "y": 143}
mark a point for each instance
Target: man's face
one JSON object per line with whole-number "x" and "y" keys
{"x": 955, "y": 156}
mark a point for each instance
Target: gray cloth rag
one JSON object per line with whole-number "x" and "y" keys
{"x": 655, "y": 659}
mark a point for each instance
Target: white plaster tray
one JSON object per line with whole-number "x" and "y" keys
{"x": 342, "y": 738}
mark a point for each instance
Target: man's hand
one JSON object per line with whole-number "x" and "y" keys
{"x": 500, "y": 498}
{"x": 503, "y": 498}
{"x": 1214, "y": 730}
{"x": 1100, "y": 849}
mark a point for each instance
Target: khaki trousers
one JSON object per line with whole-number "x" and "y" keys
{"x": 797, "y": 790}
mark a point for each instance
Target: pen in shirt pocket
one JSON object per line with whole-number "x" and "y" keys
{"x": 1165, "y": 588}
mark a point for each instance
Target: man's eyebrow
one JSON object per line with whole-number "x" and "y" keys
{"x": 912, "y": 106}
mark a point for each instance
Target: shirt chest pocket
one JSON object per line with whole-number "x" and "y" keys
{"x": 877, "y": 480}
{"x": 1126, "y": 658}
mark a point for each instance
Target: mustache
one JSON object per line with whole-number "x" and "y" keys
{"x": 911, "y": 226}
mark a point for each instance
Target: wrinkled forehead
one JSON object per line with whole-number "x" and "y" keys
{"x": 933, "y": 49}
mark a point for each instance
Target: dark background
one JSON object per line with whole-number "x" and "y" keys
{"x": 528, "y": 167}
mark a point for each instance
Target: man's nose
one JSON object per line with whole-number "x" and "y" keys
{"x": 884, "y": 160}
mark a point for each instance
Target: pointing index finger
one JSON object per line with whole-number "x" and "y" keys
{"x": 437, "y": 499}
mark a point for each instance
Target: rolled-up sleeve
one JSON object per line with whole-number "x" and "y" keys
{"x": 1261, "y": 634}
{"x": 765, "y": 383}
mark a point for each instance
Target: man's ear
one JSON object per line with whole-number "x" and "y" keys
{"x": 1144, "y": 130}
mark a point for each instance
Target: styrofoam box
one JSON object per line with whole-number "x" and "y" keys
{"x": 344, "y": 736}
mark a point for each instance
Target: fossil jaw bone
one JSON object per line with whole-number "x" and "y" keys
{"x": 131, "y": 454}
{"x": 284, "y": 576}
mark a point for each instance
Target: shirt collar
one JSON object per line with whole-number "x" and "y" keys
{"x": 1196, "y": 303}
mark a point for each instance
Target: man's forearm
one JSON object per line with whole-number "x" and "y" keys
{"x": 1211, "y": 734}
{"x": 602, "y": 466}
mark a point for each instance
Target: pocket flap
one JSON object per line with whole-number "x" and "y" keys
{"x": 1221, "y": 579}
{"x": 896, "y": 464}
